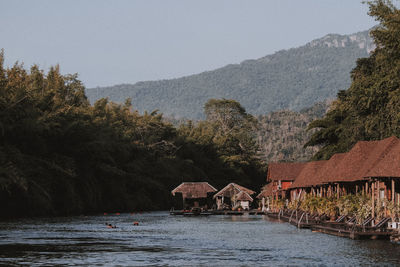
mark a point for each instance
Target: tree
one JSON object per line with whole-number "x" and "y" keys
{"x": 370, "y": 108}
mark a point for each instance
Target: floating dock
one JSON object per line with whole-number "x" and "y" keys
{"x": 215, "y": 212}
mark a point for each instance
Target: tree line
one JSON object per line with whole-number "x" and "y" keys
{"x": 59, "y": 155}
{"x": 370, "y": 108}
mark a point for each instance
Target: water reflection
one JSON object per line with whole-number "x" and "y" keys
{"x": 161, "y": 239}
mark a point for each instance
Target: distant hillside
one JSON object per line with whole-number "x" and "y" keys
{"x": 282, "y": 134}
{"x": 289, "y": 79}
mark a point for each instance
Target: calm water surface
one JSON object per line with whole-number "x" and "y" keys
{"x": 161, "y": 239}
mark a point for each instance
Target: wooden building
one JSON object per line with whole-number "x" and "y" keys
{"x": 227, "y": 198}
{"x": 306, "y": 179}
{"x": 190, "y": 195}
{"x": 281, "y": 175}
{"x": 265, "y": 197}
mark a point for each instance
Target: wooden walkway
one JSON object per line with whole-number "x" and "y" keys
{"x": 353, "y": 231}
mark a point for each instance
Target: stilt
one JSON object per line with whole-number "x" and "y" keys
{"x": 338, "y": 191}
{"x": 393, "y": 192}
{"x": 373, "y": 199}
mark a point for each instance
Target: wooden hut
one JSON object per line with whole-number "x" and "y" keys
{"x": 190, "y": 195}
{"x": 306, "y": 179}
{"x": 281, "y": 175}
{"x": 265, "y": 197}
{"x": 351, "y": 173}
{"x": 384, "y": 175}
{"x": 243, "y": 200}
{"x": 226, "y": 198}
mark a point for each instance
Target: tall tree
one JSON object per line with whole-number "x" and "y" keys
{"x": 370, "y": 108}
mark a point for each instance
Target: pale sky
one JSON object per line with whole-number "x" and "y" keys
{"x": 126, "y": 41}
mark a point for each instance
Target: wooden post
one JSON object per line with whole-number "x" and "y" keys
{"x": 356, "y": 189}
{"x": 393, "y": 187}
{"x": 378, "y": 195}
{"x": 337, "y": 190}
{"x": 366, "y": 188}
{"x": 373, "y": 199}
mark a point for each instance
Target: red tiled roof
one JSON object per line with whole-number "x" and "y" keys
{"x": 194, "y": 189}
{"x": 388, "y": 164}
{"x": 309, "y": 174}
{"x": 286, "y": 171}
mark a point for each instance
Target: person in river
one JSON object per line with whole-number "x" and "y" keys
{"x": 109, "y": 225}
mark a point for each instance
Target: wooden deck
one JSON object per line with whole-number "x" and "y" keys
{"x": 353, "y": 234}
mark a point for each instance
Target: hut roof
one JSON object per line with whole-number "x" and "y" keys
{"x": 244, "y": 196}
{"x": 362, "y": 158}
{"x": 233, "y": 189}
{"x": 194, "y": 189}
{"x": 388, "y": 164}
{"x": 266, "y": 191}
{"x": 309, "y": 174}
{"x": 287, "y": 171}
{"x": 325, "y": 174}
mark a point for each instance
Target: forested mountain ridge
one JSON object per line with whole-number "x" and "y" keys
{"x": 282, "y": 134}
{"x": 288, "y": 79}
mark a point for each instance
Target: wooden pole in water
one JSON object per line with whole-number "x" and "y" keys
{"x": 393, "y": 188}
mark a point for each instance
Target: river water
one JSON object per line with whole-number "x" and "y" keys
{"x": 162, "y": 239}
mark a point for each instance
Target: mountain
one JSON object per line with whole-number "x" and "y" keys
{"x": 289, "y": 79}
{"x": 282, "y": 134}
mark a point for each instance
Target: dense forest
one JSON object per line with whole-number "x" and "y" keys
{"x": 281, "y": 135}
{"x": 289, "y": 79}
{"x": 59, "y": 155}
{"x": 370, "y": 108}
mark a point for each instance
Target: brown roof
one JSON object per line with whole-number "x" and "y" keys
{"x": 266, "y": 191}
{"x": 244, "y": 196}
{"x": 362, "y": 158}
{"x": 286, "y": 171}
{"x": 325, "y": 174}
{"x": 232, "y": 189}
{"x": 388, "y": 164}
{"x": 194, "y": 189}
{"x": 309, "y": 174}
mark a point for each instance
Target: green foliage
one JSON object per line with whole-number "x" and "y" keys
{"x": 289, "y": 79}
{"x": 369, "y": 109}
{"x": 59, "y": 155}
{"x": 281, "y": 135}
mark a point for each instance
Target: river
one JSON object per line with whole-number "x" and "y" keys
{"x": 161, "y": 239}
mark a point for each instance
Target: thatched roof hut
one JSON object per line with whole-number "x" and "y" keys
{"x": 233, "y": 189}
{"x": 266, "y": 191}
{"x": 243, "y": 196}
{"x": 194, "y": 189}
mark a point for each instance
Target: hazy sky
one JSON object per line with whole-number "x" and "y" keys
{"x": 112, "y": 42}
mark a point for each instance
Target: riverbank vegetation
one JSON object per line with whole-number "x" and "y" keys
{"x": 59, "y": 155}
